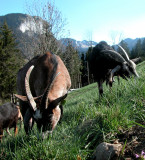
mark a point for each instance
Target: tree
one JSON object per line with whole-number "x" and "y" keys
{"x": 10, "y": 61}
{"x": 138, "y": 48}
{"x": 116, "y": 37}
{"x": 137, "y": 51}
{"x": 125, "y": 46}
{"x": 133, "y": 53}
{"x": 87, "y": 55}
{"x": 73, "y": 64}
{"x": 143, "y": 48}
{"x": 48, "y": 26}
{"x": 84, "y": 72}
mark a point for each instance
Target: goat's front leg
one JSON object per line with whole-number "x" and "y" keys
{"x": 1, "y": 134}
{"x": 7, "y": 130}
{"x": 100, "y": 87}
{"x": 15, "y": 130}
{"x": 28, "y": 121}
{"x": 116, "y": 69}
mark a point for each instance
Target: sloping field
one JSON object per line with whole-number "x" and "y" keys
{"x": 88, "y": 121}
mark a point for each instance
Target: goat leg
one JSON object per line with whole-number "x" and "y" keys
{"x": 16, "y": 130}
{"x": 1, "y": 134}
{"x": 28, "y": 121}
{"x": 7, "y": 130}
{"x": 116, "y": 69}
{"x": 100, "y": 87}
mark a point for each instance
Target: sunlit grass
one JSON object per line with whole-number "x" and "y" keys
{"x": 87, "y": 121}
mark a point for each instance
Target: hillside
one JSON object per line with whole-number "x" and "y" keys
{"x": 88, "y": 121}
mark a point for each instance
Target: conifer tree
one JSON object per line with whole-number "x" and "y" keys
{"x": 143, "y": 48}
{"x": 138, "y": 48}
{"x": 125, "y": 46}
{"x": 10, "y": 61}
{"x": 84, "y": 73}
{"x": 133, "y": 53}
{"x": 88, "y": 69}
{"x": 137, "y": 51}
{"x": 73, "y": 64}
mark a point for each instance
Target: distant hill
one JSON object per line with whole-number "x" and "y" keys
{"x": 20, "y": 25}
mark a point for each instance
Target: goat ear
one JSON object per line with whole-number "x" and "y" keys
{"x": 23, "y": 98}
{"x": 38, "y": 98}
{"x": 54, "y": 103}
{"x": 136, "y": 60}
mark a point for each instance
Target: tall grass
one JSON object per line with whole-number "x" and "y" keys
{"x": 87, "y": 121}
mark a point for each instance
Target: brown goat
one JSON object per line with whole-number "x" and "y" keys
{"x": 9, "y": 115}
{"x": 43, "y": 84}
{"x": 19, "y": 118}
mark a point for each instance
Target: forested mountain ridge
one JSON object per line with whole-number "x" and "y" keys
{"x": 20, "y": 25}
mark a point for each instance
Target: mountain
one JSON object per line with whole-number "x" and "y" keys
{"x": 23, "y": 23}
{"x": 81, "y": 46}
{"x": 14, "y": 22}
{"x": 24, "y": 27}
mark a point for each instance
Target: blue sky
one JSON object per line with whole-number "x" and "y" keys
{"x": 109, "y": 20}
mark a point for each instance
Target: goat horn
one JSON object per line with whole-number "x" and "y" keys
{"x": 45, "y": 98}
{"x": 27, "y": 87}
{"x": 116, "y": 53}
{"x": 125, "y": 53}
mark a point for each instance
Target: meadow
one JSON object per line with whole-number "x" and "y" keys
{"x": 87, "y": 121}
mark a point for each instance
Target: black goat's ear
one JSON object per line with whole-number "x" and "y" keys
{"x": 136, "y": 60}
{"x": 54, "y": 103}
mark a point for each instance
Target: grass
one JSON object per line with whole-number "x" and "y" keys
{"x": 87, "y": 121}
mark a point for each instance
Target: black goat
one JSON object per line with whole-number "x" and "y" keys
{"x": 105, "y": 63}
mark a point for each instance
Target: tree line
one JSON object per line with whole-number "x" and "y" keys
{"x": 137, "y": 51}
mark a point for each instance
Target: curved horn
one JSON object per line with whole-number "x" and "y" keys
{"x": 45, "y": 98}
{"x": 125, "y": 53}
{"x": 115, "y": 54}
{"x": 27, "y": 88}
